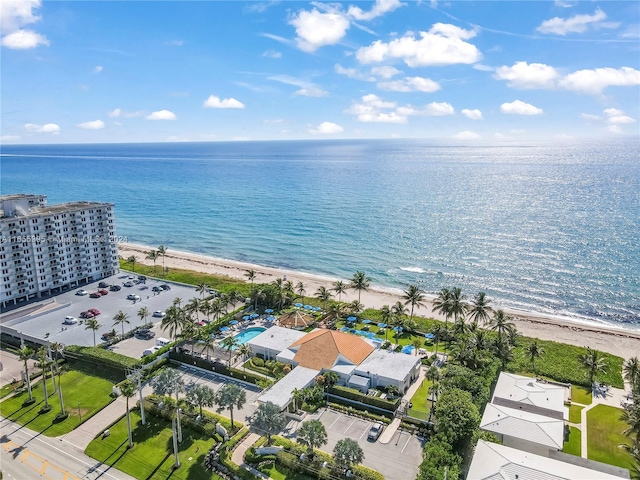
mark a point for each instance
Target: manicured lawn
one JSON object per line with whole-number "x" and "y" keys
{"x": 280, "y": 473}
{"x": 581, "y": 395}
{"x": 91, "y": 393}
{"x": 573, "y": 446}
{"x": 419, "y": 399}
{"x": 604, "y": 432}
{"x": 152, "y": 453}
{"x": 575, "y": 413}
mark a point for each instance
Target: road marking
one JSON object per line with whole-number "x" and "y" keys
{"x": 349, "y": 427}
{"x": 365, "y": 430}
{"x": 405, "y": 445}
{"x": 334, "y": 422}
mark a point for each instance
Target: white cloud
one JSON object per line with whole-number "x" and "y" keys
{"x": 118, "y": 112}
{"x": 410, "y": 84}
{"x": 373, "y": 109}
{"x": 10, "y": 138}
{"x": 483, "y": 68}
{"x": 97, "y": 69}
{"x": 589, "y": 116}
{"x": 564, "y": 4}
{"x": 466, "y": 135}
{"x": 614, "y": 129}
{"x": 528, "y": 76}
{"x": 311, "y": 92}
{"x": 352, "y": 73}
{"x": 307, "y": 89}
{"x": 519, "y": 107}
{"x": 385, "y": 71}
{"x": 380, "y": 7}
{"x": 161, "y": 115}
{"x": 436, "y": 109}
{"x": 617, "y": 116}
{"x": 216, "y": 102}
{"x": 24, "y": 39}
{"x": 442, "y": 45}
{"x": 272, "y": 54}
{"x": 46, "y": 128}
{"x": 472, "y": 114}
{"x": 596, "y": 80}
{"x": 316, "y": 29}
{"x": 91, "y": 125}
{"x": 326, "y": 128}
{"x": 576, "y": 24}
{"x": 612, "y": 112}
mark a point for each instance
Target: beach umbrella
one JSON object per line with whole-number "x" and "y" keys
{"x": 246, "y": 317}
{"x": 254, "y": 315}
{"x": 269, "y": 310}
{"x": 397, "y": 329}
{"x": 429, "y": 336}
{"x": 317, "y": 309}
{"x": 344, "y": 329}
{"x": 225, "y": 329}
{"x": 233, "y": 322}
{"x": 382, "y": 324}
{"x": 271, "y": 318}
{"x": 351, "y": 319}
{"x": 366, "y": 321}
{"x": 298, "y": 305}
{"x": 308, "y": 307}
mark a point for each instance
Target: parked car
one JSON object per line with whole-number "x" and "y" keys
{"x": 151, "y": 350}
{"x": 103, "y": 292}
{"x": 157, "y": 289}
{"x": 103, "y": 285}
{"x": 158, "y": 313}
{"x": 375, "y": 431}
{"x": 95, "y": 311}
{"x": 142, "y": 278}
{"x": 128, "y": 284}
{"x": 145, "y": 333}
{"x": 107, "y": 335}
{"x": 115, "y": 288}
{"x": 95, "y": 295}
{"x": 82, "y": 292}
{"x": 164, "y": 286}
{"x": 131, "y": 296}
{"x": 70, "y": 320}
{"x": 87, "y": 314}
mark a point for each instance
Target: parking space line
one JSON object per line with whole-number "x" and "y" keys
{"x": 365, "y": 431}
{"x": 335, "y": 421}
{"x": 406, "y": 443}
{"x": 349, "y": 427}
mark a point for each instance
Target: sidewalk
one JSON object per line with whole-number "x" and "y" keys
{"x": 238, "y": 454}
{"x": 391, "y": 430}
{"x": 85, "y": 433}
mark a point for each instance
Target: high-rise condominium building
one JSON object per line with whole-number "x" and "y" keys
{"x": 46, "y": 249}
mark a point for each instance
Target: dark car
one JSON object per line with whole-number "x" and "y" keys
{"x": 95, "y": 295}
{"x": 103, "y": 285}
{"x": 142, "y": 278}
{"x": 164, "y": 286}
{"x": 115, "y": 288}
{"x": 145, "y": 333}
{"x": 157, "y": 289}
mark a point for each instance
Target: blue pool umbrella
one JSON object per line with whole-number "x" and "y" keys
{"x": 269, "y": 310}
{"x": 351, "y": 319}
{"x": 246, "y": 317}
{"x": 429, "y": 335}
{"x": 254, "y": 315}
{"x": 397, "y": 329}
{"x": 224, "y": 329}
{"x": 271, "y": 318}
{"x": 308, "y": 307}
{"x": 297, "y": 305}
{"x": 233, "y": 322}
{"x": 382, "y": 324}
{"x": 344, "y": 329}
{"x": 367, "y": 321}
{"x": 408, "y": 349}
{"x": 317, "y": 309}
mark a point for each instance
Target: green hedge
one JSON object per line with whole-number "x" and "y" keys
{"x": 353, "y": 394}
{"x": 215, "y": 366}
{"x": 360, "y": 413}
{"x": 98, "y": 355}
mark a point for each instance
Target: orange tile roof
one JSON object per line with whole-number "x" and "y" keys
{"x": 320, "y": 349}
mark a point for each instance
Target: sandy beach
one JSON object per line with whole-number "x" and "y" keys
{"x": 618, "y": 341}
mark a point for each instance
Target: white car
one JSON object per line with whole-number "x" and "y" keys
{"x": 70, "y": 320}
{"x": 158, "y": 313}
{"x": 131, "y": 296}
{"x": 82, "y": 292}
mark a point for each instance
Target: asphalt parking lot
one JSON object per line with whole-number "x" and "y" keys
{"x": 72, "y": 305}
{"x": 398, "y": 460}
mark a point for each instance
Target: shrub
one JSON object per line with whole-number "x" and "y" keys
{"x": 258, "y": 362}
{"x": 353, "y": 394}
{"x": 97, "y": 355}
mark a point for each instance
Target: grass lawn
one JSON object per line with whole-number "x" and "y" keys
{"x": 419, "y": 399}
{"x": 78, "y": 388}
{"x": 604, "y": 429}
{"x": 575, "y": 415}
{"x": 573, "y": 446}
{"x": 581, "y": 395}
{"x": 152, "y": 453}
{"x": 280, "y": 473}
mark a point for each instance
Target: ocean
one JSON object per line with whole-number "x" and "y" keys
{"x": 548, "y": 228}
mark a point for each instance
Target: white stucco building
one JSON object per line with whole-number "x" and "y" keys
{"x": 48, "y": 248}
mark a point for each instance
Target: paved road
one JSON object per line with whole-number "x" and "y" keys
{"x": 28, "y": 455}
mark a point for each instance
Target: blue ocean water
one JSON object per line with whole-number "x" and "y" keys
{"x": 552, "y": 228}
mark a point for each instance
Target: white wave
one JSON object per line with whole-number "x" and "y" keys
{"x": 413, "y": 269}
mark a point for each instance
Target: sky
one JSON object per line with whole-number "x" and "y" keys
{"x": 165, "y": 71}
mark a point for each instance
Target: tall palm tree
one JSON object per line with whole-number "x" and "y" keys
{"x": 594, "y": 362}
{"x": 398, "y": 320}
{"x": 501, "y": 323}
{"x": 132, "y": 260}
{"x": 442, "y": 304}
{"x": 269, "y": 419}
{"x": 121, "y": 318}
{"x": 244, "y": 351}
{"x": 153, "y": 256}
{"x": 193, "y": 306}
{"x": 92, "y": 324}
{"x": 143, "y": 314}
{"x": 324, "y": 295}
{"x": 339, "y": 287}
{"x": 480, "y": 308}
{"x": 458, "y": 303}
{"x": 360, "y": 282}
{"x": 631, "y": 372}
{"x": 413, "y": 296}
{"x": 44, "y": 365}
{"x": 208, "y": 342}
{"x": 632, "y": 418}
{"x": 162, "y": 252}
{"x": 300, "y": 290}
{"x": 173, "y": 320}
{"x": 439, "y": 331}
{"x": 25, "y": 353}
{"x": 203, "y": 289}
{"x": 251, "y": 275}
{"x": 202, "y": 396}
{"x": 533, "y": 350}
{"x": 128, "y": 390}
{"x": 230, "y": 396}
{"x": 229, "y": 343}
{"x": 356, "y": 307}
{"x": 386, "y": 315}
{"x": 58, "y": 349}
{"x": 311, "y": 434}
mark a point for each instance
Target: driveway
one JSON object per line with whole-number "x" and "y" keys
{"x": 398, "y": 460}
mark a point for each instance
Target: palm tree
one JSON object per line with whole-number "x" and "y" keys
{"x": 202, "y": 288}
{"x": 162, "y": 252}
{"x": 480, "y": 308}
{"x": 128, "y": 390}
{"x": 269, "y": 419}
{"x": 132, "y": 260}
{"x": 457, "y": 303}
{"x": 120, "y": 318}
{"x": 92, "y": 324}
{"x": 58, "y": 349}
{"x": 193, "y": 306}
{"x": 360, "y": 282}
{"x": 397, "y": 320}
{"x": 501, "y": 323}
{"x": 347, "y": 452}
{"x": 202, "y": 396}
{"x": 442, "y": 304}
{"x": 300, "y": 290}
{"x": 416, "y": 345}
{"x": 386, "y": 316}
{"x": 244, "y": 351}
{"x": 230, "y": 396}
{"x": 229, "y": 343}
{"x": 153, "y": 256}
{"x": 143, "y": 314}
{"x": 356, "y": 307}
{"x": 324, "y": 295}
{"x": 330, "y": 378}
{"x": 251, "y": 275}
{"x": 311, "y": 434}
{"x": 631, "y": 372}
{"x": 25, "y": 353}
{"x": 439, "y": 331}
{"x": 413, "y": 296}
{"x": 460, "y": 328}
{"x": 339, "y": 287}
{"x": 594, "y": 363}
{"x": 208, "y": 342}
{"x": 533, "y": 351}
{"x": 173, "y": 320}
{"x": 298, "y": 397}
{"x": 44, "y": 364}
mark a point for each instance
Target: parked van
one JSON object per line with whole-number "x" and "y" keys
{"x": 161, "y": 342}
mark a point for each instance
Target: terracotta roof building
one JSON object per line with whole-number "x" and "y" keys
{"x": 322, "y": 349}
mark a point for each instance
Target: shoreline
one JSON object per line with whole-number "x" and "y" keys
{"x": 611, "y": 339}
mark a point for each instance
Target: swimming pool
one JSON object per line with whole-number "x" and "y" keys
{"x": 248, "y": 334}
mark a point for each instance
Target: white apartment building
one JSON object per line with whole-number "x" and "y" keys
{"x": 46, "y": 249}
